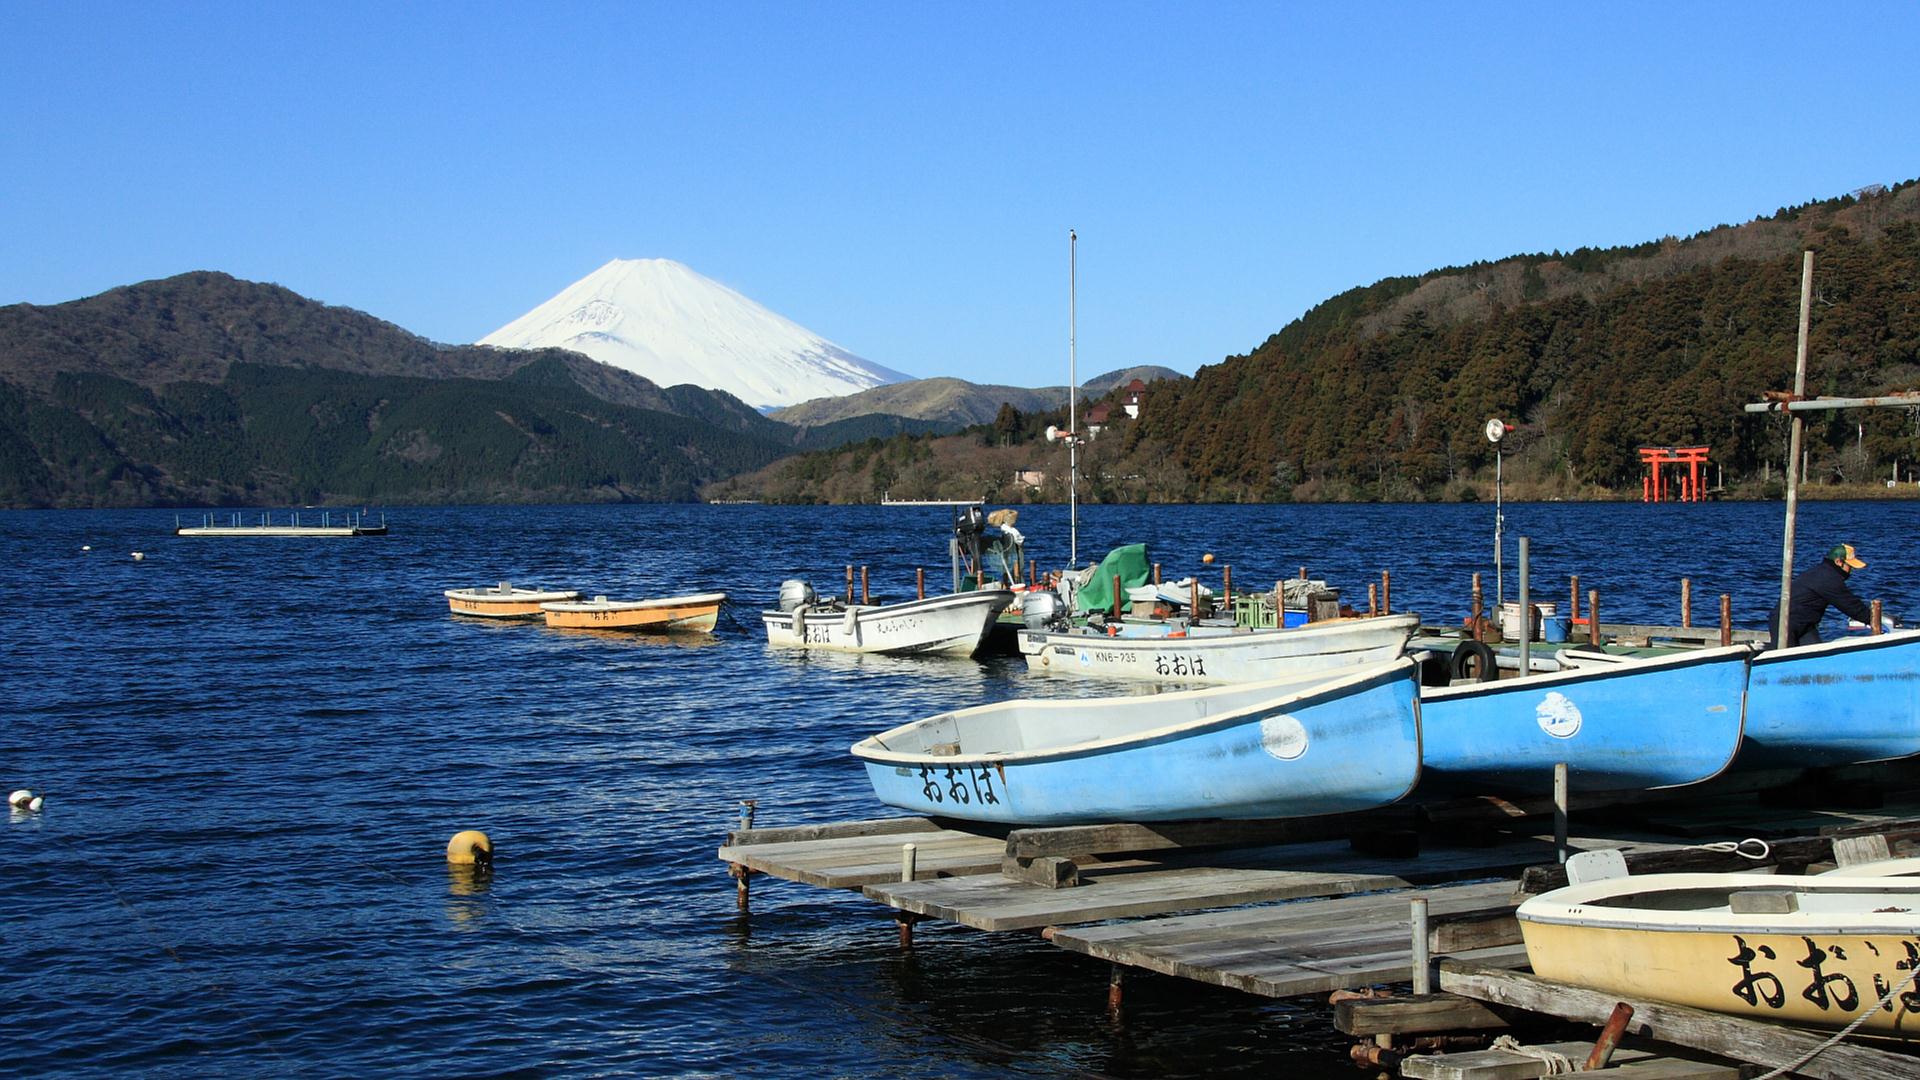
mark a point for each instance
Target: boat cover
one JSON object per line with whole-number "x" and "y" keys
{"x": 1130, "y": 562}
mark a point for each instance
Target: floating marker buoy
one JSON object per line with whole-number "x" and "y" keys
{"x": 24, "y": 800}
{"x": 1207, "y": 558}
{"x": 470, "y": 848}
{"x": 138, "y": 555}
{"x": 86, "y": 547}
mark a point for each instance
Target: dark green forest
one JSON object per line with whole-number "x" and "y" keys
{"x": 1383, "y": 392}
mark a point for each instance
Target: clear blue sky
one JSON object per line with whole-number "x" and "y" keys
{"x": 901, "y": 177}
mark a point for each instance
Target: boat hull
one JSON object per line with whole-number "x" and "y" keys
{"x": 1630, "y": 726}
{"x": 503, "y": 603}
{"x": 1817, "y": 968}
{"x": 1240, "y": 656}
{"x": 1835, "y": 703}
{"x": 953, "y": 625}
{"x": 700, "y": 612}
{"x": 1312, "y": 746}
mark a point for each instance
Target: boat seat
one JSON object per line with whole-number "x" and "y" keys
{"x": 1600, "y": 865}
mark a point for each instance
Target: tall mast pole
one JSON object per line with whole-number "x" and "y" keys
{"x": 1073, "y": 397}
{"x": 1793, "y": 452}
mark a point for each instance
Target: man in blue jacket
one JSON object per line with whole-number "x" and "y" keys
{"x": 1818, "y": 589}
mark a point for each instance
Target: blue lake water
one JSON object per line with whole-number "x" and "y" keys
{"x": 255, "y": 750}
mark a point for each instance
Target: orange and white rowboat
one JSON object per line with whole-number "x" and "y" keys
{"x": 503, "y": 601}
{"x": 697, "y": 612}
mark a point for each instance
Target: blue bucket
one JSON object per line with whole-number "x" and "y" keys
{"x": 1553, "y": 628}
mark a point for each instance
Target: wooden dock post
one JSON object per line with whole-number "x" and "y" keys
{"x": 920, "y": 581}
{"x": 904, "y": 919}
{"x": 1193, "y": 604}
{"x": 741, "y": 874}
{"x": 1726, "y": 620}
{"x": 1118, "y": 598}
{"x": 1479, "y": 607}
{"x": 1560, "y": 809}
{"x": 1526, "y": 613}
{"x": 1874, "y": 609}
{"x": 1373, "y": 599}
{"x": 1156, "y": 574}
{"x": 1386, "y": 592}
{"x": 1226, "y": 586}
{"x": 863, "y": 585}
{"x": 1422, "y": 959}
{"x": 1686, "y": 602}
{"x": 849, "y": 592}
{"x": 1593, "y": 616}
{"x": 1116, "y": 985}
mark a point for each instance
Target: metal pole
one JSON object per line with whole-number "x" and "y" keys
{"x": 1560, "y": 809}
{"x": 1422, "y": 961}
{"x": 1526, "y": 616}
{"x": 1073, "y": 399}
{"x": 1499, "y": 524}
{"x": 1793, "y": 452}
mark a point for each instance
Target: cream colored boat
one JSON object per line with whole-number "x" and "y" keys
{"x": 1812, "y": 951}
{"x": 503, "y": 601}
{"x": 699, "y": 611}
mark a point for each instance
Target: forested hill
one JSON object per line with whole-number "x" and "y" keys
{"x": 1384, "y": 391}
{"x": 203, "y": 389}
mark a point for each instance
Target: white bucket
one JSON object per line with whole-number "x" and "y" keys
{"x": 1510, "y": 619}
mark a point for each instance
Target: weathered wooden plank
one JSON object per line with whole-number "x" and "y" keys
{"x": 1070, "y": 840}
{"x": 850, "y": 862}
{"x": 1387, "y": 910}
{"x": 1479, "y": 930}
{"x": 834, "y": 830}
{"x": 1800, "y": 849}
{"x": 1420, "y": 1014}
{"x": 1672, "y": 1068}
{"x": 1505, "y": 1064}
{"x": 1762, "y": 1043}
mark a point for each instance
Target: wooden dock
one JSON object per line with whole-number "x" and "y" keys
{"x": 347, "y": 525}
{"x": 1307, "y": 906}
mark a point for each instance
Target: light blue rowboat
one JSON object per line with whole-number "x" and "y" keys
{"x": 1618, "y": 726}
{"x": 1306, "y": 744}
{"x": 1835, "y": 703}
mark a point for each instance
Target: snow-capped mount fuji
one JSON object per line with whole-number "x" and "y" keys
{"x": 661, "y": 320}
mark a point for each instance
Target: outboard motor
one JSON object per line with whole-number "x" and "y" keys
{"x": 1042, "y": 609}
{"x": 970, "y": 522}
{"x": 796, "y": 593}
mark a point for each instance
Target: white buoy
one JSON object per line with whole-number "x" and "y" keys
{"x": 138, "y": 555}
{"x": 470, "y": 848}
{"x": 36, "y": 804}
{"x": 86, "y": 547}
{"x": 22, "y": 799}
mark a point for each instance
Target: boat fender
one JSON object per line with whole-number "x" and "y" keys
{"x": 470, "y": 848}
{"x": 800, "y": 623}
{"x": 1473, "y": 662}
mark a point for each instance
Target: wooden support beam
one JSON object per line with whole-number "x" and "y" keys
{"x": 788, "y": 834}
{"x": 1761, "y": 1043}
{"x": 1071, "y": 840}
{"x": 1046, "y": 871}
{"x": 1417, "y": 1015}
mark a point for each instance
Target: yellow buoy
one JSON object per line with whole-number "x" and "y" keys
{"x": 470, "y": 848}
{"x": 1207, "y": 558}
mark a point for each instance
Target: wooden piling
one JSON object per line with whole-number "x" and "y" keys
{"x": 1686, "y": 602}
{"x": 1373, "y": 599}
{"x": 1118, "y": 599}
{"x": 1193, "y": 604}
{"x": 1116, "y": 984}
{"x": 1726, "y": 620}
{"x": 849, "y": 592}
{"x": 1156, "y": 574}
{"x": 1479, "y": 609}
{"x": 1226, "y": 586}
{"x": 863, "y": 585}
{"x": 1386, "y": 592}
{"x": 920, "y": 581}
{"x": 1573, "y": 607}
{"x": 1593, "y": 616}
{"x": 1874, "y": 608}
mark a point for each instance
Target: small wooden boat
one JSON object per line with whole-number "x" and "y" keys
{"x": 1839, "y": 702}
{"x": 1618, "y": 726}
{"x": 503, "y": 601}
{"x": 954, "y": 624}
{"x": 1814, "y": 951}
{"x": 699, "y": 611}
{"x": 1301, "y": 745}
{"x": 1163, "y": 652}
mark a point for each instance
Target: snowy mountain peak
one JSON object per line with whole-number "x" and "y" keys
{"x": 662, "y": 320}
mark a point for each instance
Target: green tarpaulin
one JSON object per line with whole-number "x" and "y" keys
{"x": 1129, "y": 562}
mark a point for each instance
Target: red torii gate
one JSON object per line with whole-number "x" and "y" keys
{"x": 1653, "y": 486}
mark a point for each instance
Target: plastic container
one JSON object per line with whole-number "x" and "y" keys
{"x": 1510, "y": 620}
{"x": 1548, "y": 624}
{"x": 1553, "y": 625}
